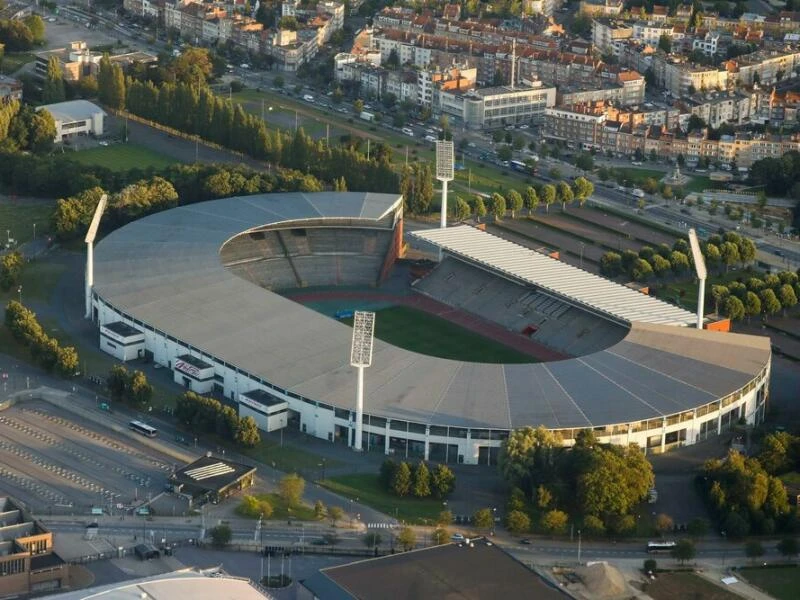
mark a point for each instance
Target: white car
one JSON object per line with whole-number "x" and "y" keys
{"x": 523, "y": 126}
{"x": 104, "y": 143}
{"x": 457, "y": 537}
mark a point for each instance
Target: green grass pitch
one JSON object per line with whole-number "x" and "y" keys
{"x": 121, "y": 157}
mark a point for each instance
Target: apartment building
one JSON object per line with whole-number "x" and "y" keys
{"x": 708, "y": 44}
{"x": 651, "y": 32}
{"x": 602, "y": 8}
{"x": 493, "y": 107}
{"x": 717, "y": 108}
{"x": 605, "y": 32}
{"x": 581, "y": 126}
{"x": 10, "y": 88}
{"x": 763, "y": 67}
{"x": 627, "y": 88}
{"x": 28, "y": 563}
{"x": 77, "y": 61}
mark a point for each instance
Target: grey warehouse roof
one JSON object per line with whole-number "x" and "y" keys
{"x": 584, "y": 288}
{"x": 165, "y": 271}
{"x": 73, "y": 110}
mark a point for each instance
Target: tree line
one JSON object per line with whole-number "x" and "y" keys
{"x": 21, "y": 35}
{"x": 24, "y": 129}
{"x": 745, "y": 498}
{"x": 597, "y": 485}
{"x": 10, "y": 269}
{"x": 755, "y": 296}
{"x": 403, "y": 479}
{"x": 206, "y": 415}
{"x": 124, "y": 386}
{"x": 648, "y": 262}
{"x": 44, "y": 350}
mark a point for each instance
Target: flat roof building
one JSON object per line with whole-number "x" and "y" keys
{"x": 76, "y": 117}
{"x": 212, "y": 478}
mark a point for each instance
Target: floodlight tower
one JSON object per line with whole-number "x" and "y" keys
{"x": 90, "y": 235}
{"x": 702, "y": 273}
{"x": 444, "y": 173}
{"x": 361, "y": 357}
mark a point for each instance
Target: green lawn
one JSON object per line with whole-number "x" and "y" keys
{"x": 367, "y": 490}
{"x": 121, "y": 157}
{"x": 686, "y": 585}
{"x": 782, "y": 583}
{"x": 427, "y": 334}
{"x": 288, "y": 458}
{"x": 18, "y": 216}
{"x": 280, "y": 510}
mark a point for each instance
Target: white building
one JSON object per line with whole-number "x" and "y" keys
{"x": 268, "y": 410}
{"x": 121, "y": 341}
{"x": 650, "y": 33}
{"x": 76, "y": 117}
{"x": 707, "y": 45}
{"x": 498, "y": 106}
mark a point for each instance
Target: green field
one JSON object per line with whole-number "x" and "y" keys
{"x": 427, "y": 334}
{"x": 12, "y": 61}
{"x": 121, "y": 157}
{"x": 671, "y": 586}
{"x": 18, "y": 216}
{"x": 288, "y": 458}
{"x": 367, "y": 490}
{"x": 782, "y": 583}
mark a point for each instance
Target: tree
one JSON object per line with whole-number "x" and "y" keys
{"x": 67, "y": 361}
{"x": 358, "y": 106}
{"x": 544, "y": 497}
{"x": 610, "y": 264}
{"x": 254, "y": 508}
{"x": 461, "y": 210}
{"x": 246, "y": 432}
{"x": 769, "y": 302}
{"x": 788, "y": 547}
{"x": 664, "y": 522}
{"x": 498, "y": 206}
{"x": 584, "y": 161}
{"x": 117, "y": 382}
{"x": 515, "y": 202}
{"x": 583, "y": 189}
{"x": 518, "y": 522}
{"x": 401, "y": 482}
{"x": 734, "y": 309}
{"x": 505, "y": 153}
{"x": 697, "y": 527}
{"x": 555, "y": 521}
{"x": 407, "y": 538}
{"x": 527, "y": 454}
{"x": 684, "y": 550}
{"x": 445, "y": 518}
{"x": 729, "y": 253}
{"x": 786, "y": 296}
{"x": 422, "y": 481}
{"x": 752, "y": 305}
{"x": 319, "y": 510}
{"x": 719, "y": 293}
{"x": 593, "y": 525}
{"x": 140, "y": 391}
{"x": 443, "y": 481}
{"x": 10, "y": 269}
{"x": 372, "y": 539}
{"x": 641, "y": 270}
{"x": 53, "y": 86}
{"x": 565, "y": 195}
{"x": 483, "y": 518}
{"x": 291, "y": 489}
{"x": 753, "y": 549}
{"x": 531, "y": 199}
{"x": 650, "y": 565}
{"x": 111, "y": 84}
{"x": 548, "y": 195}
{"x": 335, "y": 514}
{"x": 440, "y": 536}
{"x": 660, "y": 265}
{"x": 221, "y": 536}
{"x": 480, "y": 208}
{"x": 386, "y": 473}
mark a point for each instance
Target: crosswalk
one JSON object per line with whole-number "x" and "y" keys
{"x": 381, "y": 525}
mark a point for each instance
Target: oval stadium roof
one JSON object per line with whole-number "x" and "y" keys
{"x": 165, "y": 271}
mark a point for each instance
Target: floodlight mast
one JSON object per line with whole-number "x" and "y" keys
{"x": 90, "y": 236}
{"x": 361, "y": 357}
{"x": 444, "y": 173}
{"x": 702, "y": 274}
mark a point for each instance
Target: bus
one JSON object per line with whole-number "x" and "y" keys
{"x": 143, "y": 428}
{"x": 655, "y": 547}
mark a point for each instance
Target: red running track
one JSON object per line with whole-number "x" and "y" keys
{"x": 486, "y": 328}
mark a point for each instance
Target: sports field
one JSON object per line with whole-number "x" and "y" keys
{"x": 427, "y": 334}
{"x": 121, "y": 157}
{"x": 782, "y": 583}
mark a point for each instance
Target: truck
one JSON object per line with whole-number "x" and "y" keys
{"x": 367, "y": 116}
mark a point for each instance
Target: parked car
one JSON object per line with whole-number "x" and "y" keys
{"x": 457, "y": 537}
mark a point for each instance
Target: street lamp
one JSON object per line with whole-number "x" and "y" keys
{"x": 34, "y": 231}
{"x": 19, "y": 291}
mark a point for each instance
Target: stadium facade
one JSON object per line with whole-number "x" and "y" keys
{"x": 195, "y": 286}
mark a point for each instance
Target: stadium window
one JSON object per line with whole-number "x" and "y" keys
{"x": 324, "y": 406}
{"x": 341, "y": 413}
{"x": 379, "y": 422}
{"x": 439, "y": 430}
{"x": 397, "y": 425}
{"x": 499, "y": 435}
{"x": 458, "y": 432}
{"x": 480, "y": 434}
{"x": 417, "y": 428}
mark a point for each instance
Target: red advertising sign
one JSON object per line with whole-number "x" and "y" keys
{"x": 185, "y": 367}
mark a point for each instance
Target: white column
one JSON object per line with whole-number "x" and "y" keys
{"x": 89, "y": 278}
{"x": 443, "y": 216}
{"x": 663, "y": 435}
{"x": 359, "y": 409}
{"x": 701, "y": 302}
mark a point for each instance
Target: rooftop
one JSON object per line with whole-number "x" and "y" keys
{"x": 469, "y": 572}
{"x": 73, "y": 110}
{"x": 211, "y": 473}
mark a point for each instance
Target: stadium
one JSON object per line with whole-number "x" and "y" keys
{"x": 198, "y": 289}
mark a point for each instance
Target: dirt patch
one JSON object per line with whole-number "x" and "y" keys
{"x": 603, "y": 580}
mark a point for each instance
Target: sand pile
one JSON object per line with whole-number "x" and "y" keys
{"x": 603, "y": 580}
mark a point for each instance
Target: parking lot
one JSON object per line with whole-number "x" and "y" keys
{"x": 57, "y": 465}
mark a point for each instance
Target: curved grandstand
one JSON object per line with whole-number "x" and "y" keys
{"x": 194, "y": 289}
